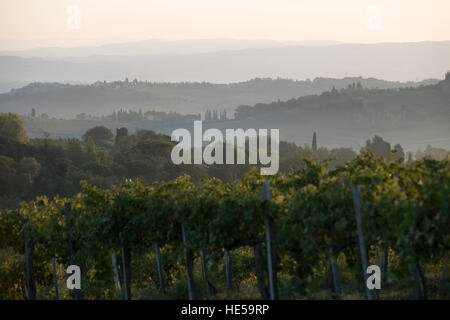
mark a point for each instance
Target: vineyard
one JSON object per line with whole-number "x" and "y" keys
{"x": 293, "y": 236}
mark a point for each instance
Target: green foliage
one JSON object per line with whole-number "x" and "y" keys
{"x": 99, "y": 134}
{"x": 405, "y": 208}
{"x": 11, "y": 127}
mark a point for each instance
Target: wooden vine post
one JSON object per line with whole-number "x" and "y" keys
{"x": 126, "y": 267}
{"x": 385, "y": 261}
{"x": 335, "y": 271}
{"x": 357, "y": 200}
{"x": 29, "y": 255}
{"x": 205, "y": 272}
{"x": 55, "y": 278}
{"x": 189, "y": 263}
{"x": 162, "y": 283}
{"x": 116, "y": 272}
{"x": 227, "y": 255}
{"x": 260, "y": 271}
{"x": 418, "y": 278}
{"x": 271, "y": 253}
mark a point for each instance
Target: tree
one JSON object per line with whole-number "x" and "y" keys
{"x": 409, "y": 156}
{"x": 74, "y": 151}
{"x": 314, "y": 142}
{"x": 99, "y": 134}
{"x": 8, "y": 178}
{"x": 334, "y": 91}
{"x": 399, "y": 153}
{"x": 379, "y": 147}
{"x": 120, "y": 132}
{"x": 29, "y": 166}
{"x": 81, "y": 116}
{"x": 12, "y": 127}
{"x": 223, "y": 115}
{"x": 433, "y": 152}
{"x": 341, "y": 156}
{"x": 91, "y": 149}
{"x": 207, "y": 115}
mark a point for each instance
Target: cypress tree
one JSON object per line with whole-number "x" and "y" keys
{"x": 314, "y": 142}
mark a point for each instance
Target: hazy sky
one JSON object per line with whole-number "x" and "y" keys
{"x": 41, "y": 23}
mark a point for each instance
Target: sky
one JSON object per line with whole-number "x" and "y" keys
{"x": 26, "y": 24}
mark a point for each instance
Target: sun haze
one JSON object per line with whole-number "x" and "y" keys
{"x": 26, "y": 24}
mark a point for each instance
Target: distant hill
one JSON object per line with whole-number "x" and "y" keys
{"x": 391, "y": 61}
{"x": 65, "y": 100}
{"x": 413, "y": 117}
{"x": 160, "y": 47}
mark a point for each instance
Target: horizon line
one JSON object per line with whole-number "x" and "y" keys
{"x": 291, "y": 42}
